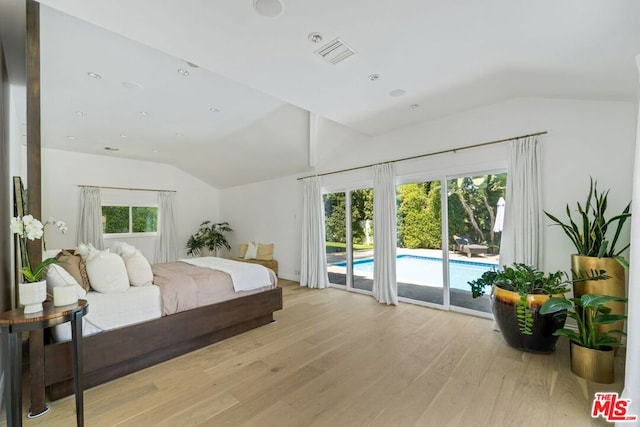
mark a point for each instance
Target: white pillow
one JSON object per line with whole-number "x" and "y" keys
{"x": 138, "y": 268}
{"x": 58, "y": 276}
{"x": 86, "y": 251}
{"x": 107, "y": 272}
{"x": 252, "y": 251}
{"x": 123, "y": 249}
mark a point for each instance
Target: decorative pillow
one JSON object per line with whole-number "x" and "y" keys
{"x": 138, "y": 268}
{"x": 107, "y": 272}
{"x": 243, "y": 249}
{"x": 265, "y": 252}
{"x": 58, "y": 276}
{"x": 75, "y": 266}
{"x": 252, "y": 251}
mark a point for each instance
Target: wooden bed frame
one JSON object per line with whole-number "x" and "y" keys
{"x": 112, "y": 354}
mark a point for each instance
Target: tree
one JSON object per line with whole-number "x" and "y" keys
{"x": 361, "y": 211}
{"x": 413, "y": 211}
{"x": 335, "y": 222}
{"x": 477, "y": 196}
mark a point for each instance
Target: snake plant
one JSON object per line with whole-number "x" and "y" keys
{"x": 590, "y": 238}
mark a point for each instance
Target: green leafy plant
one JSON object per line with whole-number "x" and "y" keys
{"x": 524, "y": 280}
{"x": 590, "y": 239}
{"x": 589, "y": 312}
{"x": 209, "y": 235}
{"x": 525, "y": 318}
{"x": 521, "y": 278}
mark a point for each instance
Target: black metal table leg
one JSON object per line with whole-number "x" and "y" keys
{"x": 78, "y": 384}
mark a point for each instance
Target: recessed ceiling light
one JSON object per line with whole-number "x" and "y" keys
{"x": 374, "y": 77}
{"x": 122, "y": 135}
{"x": 397, "y": 92}
{"x": 111, "y": 149}
{"x": 268, "y": 8}
{"x": 81, "y": 113}
{"x": 132, "y": 85}
{"x": 71, "y": 137}
{"x": 155, "y": 151}
{"x": 179, "y": 134}
{"x": 214, "y": 110}
{"x": 414, "y": 105}
{"x": 94, "y": 75}
{"x": 144, "y": 113}
{"x": 183, "y": 72}
{"x": 315, "y": 37}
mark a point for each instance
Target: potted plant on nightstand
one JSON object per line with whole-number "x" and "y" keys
{"x": 32, "y": 292}
{"x": 210, "y": 236}
{"x": 596, "y": 250}
{"x": 591, "y": 348}
{"x": 517, "y": 294}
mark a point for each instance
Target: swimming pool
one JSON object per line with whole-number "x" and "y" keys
{"x": 427, "y": 270}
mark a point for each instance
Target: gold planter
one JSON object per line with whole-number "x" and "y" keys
{"x": 592, "y": 365}
{"x": 615, "y": 286}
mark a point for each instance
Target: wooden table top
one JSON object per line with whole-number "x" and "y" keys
{"x": 49, "y": 312}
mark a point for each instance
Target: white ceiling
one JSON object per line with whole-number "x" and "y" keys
{"x": 262, "y": 74}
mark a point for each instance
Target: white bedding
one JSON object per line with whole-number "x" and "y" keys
{"x": 113, "y": 310}
{"x": 245, "y": 276}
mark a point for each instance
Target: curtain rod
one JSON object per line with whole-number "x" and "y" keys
{"x": 126, "y": 188}
{"x": 450, "y": 150}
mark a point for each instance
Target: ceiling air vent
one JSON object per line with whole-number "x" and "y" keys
{"x": 335, "y": 51}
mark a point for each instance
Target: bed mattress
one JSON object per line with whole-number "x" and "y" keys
{"x": 113, "y": 310}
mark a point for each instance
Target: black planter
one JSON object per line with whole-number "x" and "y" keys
{"x": 504, "y": 306}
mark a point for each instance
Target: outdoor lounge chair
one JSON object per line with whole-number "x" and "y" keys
{"x": 466, "y": 246}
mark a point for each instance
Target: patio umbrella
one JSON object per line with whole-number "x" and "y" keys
{"x": 497, "y": 226}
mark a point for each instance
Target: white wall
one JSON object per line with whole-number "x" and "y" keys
{"x": 267, "y": 212}
{"x": 585, "y": 138}
{"x": 63, "y": 171}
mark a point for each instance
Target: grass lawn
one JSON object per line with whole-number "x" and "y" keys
{"x": 342, "y": 247}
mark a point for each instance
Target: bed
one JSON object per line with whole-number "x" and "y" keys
{"x": 174, "y": 326}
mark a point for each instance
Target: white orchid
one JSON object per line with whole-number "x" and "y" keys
{"x": 29, "y": 228}
{"x": 33, "y": 228}
{"x": 17, "y": 227}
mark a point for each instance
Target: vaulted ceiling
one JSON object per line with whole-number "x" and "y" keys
{"x": 242, "y": 112}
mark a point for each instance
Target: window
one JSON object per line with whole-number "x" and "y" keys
{"x": 129, "y": 219}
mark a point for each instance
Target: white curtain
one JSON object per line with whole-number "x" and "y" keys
{"x": 313, "y": 265}
{"x": 90, "y": 218}
{"x": 521, "y": 235}
{"x": 166, "y": 241}
{"x": 385, "y": 287}
{"x": 632, "y": 368}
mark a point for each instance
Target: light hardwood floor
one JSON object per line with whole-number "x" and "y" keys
{"x": 336, "y": 358}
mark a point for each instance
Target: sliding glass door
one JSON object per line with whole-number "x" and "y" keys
{"x": 361, "y": 215}
{"x": 349, "y": 243}
{"x": 419, "y": 254}
{"x": 475, "y": 206}
{"x": 449, "y": 233}
{"x": 335, "y": 208}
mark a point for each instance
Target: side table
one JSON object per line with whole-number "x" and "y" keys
{"x": 12, "y": 324}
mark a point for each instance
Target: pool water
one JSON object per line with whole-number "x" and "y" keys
{"x": 427, "y": 270}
